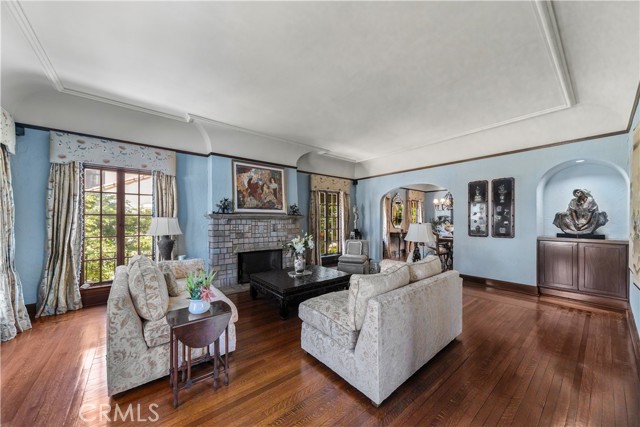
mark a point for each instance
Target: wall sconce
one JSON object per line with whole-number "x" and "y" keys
{"x": 444, "y": 204}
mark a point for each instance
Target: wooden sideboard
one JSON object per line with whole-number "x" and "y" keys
{"x": 585, "y": 269}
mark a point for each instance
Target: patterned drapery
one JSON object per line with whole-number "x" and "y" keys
{"x": 386, "y": 230}
{"x": 67, "y": 147}
{"x": 13, "y": 313}
{"x": 314, "y": 227}
{"x": 59, "y": 290}
{"x": 165, "y": 199}
{"x": 8, "y": 131}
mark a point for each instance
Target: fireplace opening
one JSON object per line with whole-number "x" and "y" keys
{"x": 257, "y": 262}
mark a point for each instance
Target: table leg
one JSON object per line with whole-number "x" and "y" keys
{"x": 216, "y": 362}
{"x": 188, "y": 368}
{"x": 253, "y": 292}
{"x": 284, "y": 309}
{"x": 170, "y": 357}
{"x": 226, "y": 355}
{"x": 184, "y": 361}
{"x": 175, "y": 370}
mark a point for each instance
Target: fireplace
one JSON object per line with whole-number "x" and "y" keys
{"x": 233, "y": 235}
{"x": 257, "y": 262}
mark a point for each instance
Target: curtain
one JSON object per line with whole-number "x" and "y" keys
{"x": 13, "y": 313}
{"x": 165, "y": 199}
{"x": 386, "y": 237}
{"x": 59, "y": 290}
{"x": 314, "y": 227}
{"x": 345, "y": 209}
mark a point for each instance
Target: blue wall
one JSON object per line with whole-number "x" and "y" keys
{"x": 192, "y": 174}
{"x": 30, "y": 176}
{"x": 304, "y": 188}
{"x": 514, "y": 259}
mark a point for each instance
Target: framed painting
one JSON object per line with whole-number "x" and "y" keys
{"x": 478, "y": 208}
{"x": 634, "y": 229}
{"x": 503, "y": 207}
{"x": 258, "y": 188}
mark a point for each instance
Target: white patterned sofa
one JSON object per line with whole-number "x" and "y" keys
{"x": 386, "y": 326}
{"x": 137, "y": 330}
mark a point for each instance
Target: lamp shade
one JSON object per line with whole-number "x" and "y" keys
{"x": 421, "y": 233}
{"x": 164, "y": 226}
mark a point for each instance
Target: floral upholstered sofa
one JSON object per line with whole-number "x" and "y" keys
{"x": 137, "y": 330}
{"x": 386, "y": 326}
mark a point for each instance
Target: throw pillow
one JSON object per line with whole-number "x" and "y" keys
{"x": 354, "y": 247}
{"x": 363, "y": 287}
{"x": 148, "y": 288}
{"x": 430, "y": 266}
{"x": 170, "y": 278}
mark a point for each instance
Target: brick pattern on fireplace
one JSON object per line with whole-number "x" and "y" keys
{"x": 230, "y": 234}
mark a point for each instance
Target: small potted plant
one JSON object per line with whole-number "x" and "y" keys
{"x": 297, "y": 248}
{"x": 200, "y": 293}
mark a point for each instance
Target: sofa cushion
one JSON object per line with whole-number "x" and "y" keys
{"x": 181, "y": 269}
{"x": 353, "y": 259}
{"x": 430, "y": 266}
{"x": 363, "y": 287}
{"x": 170, "y": 278}
{"x": 329, "y": 313}
{"x": 387, "y": 264}
{"x": 156, "y": 332}
{"x": 147, "y": 288}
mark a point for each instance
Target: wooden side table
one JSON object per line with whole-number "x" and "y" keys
{"x": 198, "y": 331}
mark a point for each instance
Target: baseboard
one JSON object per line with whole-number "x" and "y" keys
{"x": 604, "y": 302}
{"x": 97, "y": 295}
{"x": 635, "y": 338}
{"x": 500, "y": 284}
{"x": 31, "y": 311}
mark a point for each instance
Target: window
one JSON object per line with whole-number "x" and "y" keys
{"x": 329, "y": 223}
{"x": 117, "y": 214}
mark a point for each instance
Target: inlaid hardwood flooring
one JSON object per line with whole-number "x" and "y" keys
{"x": 521, "y": 360}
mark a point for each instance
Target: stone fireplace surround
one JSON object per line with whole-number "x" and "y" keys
{"x": 231, "y": 234}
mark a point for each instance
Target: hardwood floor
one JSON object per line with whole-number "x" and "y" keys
{"x": 520, "y": 361}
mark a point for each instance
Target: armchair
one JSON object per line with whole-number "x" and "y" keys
{"x": 355, "y": 259}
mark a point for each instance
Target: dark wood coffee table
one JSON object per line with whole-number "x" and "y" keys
{"x": 288, "y": 289}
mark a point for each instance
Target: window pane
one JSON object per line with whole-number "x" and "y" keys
{"x": 130, "y": 204}
{"x": 109, "y": 225}
{"x": 109, "y": 248}
{"x": 91, "y": 248}
{"x": 109, "y": 203}
{"x": 131, "y": 183}
{"x": 109, "y": 182}
{"x": 92, "y": 226}
{"x": 92, "y": 271}
{"x": 146, "y": 205}
{"x": 130, "y": 225}
{"x": 108, "y": 269}
{"x": 130, "y": 246}
{"x": 145, "y": 223}
{"x": 92, "y": 203}
{"x": 91, "y": 180}
{"x": 146, "y": 185}
{"x": 146, "y": 245}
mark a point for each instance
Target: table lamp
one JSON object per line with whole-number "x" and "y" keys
{"x": 165, "y": 227}
{"x": 419, "y": 233}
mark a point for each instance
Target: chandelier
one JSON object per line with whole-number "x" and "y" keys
{"x": 444, "y": 204}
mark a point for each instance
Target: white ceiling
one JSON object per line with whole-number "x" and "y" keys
{"x": 384, "y": 85}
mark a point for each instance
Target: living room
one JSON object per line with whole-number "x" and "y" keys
{"x": 362, "y": 123}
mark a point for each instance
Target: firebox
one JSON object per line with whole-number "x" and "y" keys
{"x": 257, "y": 262}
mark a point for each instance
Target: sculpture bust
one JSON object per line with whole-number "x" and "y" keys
{"x": 582, "y": 216}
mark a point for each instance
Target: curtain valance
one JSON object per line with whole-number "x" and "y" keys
{"x": 8, "y": 136}
{"x": 68, "y": 147}
{"x": 415, "y": 195}
{"x": 329, "y": 183}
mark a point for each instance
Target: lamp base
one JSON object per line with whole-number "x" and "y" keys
{"x": 165, "y": 247}
{"x": 416, "y": 254}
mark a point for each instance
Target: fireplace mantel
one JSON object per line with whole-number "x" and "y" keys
{"x": 235, "y": 215}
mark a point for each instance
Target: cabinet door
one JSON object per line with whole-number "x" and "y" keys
{"x": 558, "y": 265}
{"x": 603, "y": 269}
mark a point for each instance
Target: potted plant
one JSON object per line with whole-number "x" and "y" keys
{"x": 200, "y": 292}
{"x": 297, "y": 248}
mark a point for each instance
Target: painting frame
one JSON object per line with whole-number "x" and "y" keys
{"x": 634, "y": 215}
{"x": 503, "y": 203}
{"x": 478, "y": 208}
{"x": 266, "y": 195}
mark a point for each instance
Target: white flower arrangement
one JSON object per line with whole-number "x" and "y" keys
{"x": 299, "y": 245}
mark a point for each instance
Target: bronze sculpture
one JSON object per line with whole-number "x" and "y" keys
{"x": 582, "y": 216}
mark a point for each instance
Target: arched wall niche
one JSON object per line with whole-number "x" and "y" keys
{"x": 607, "y": 182}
